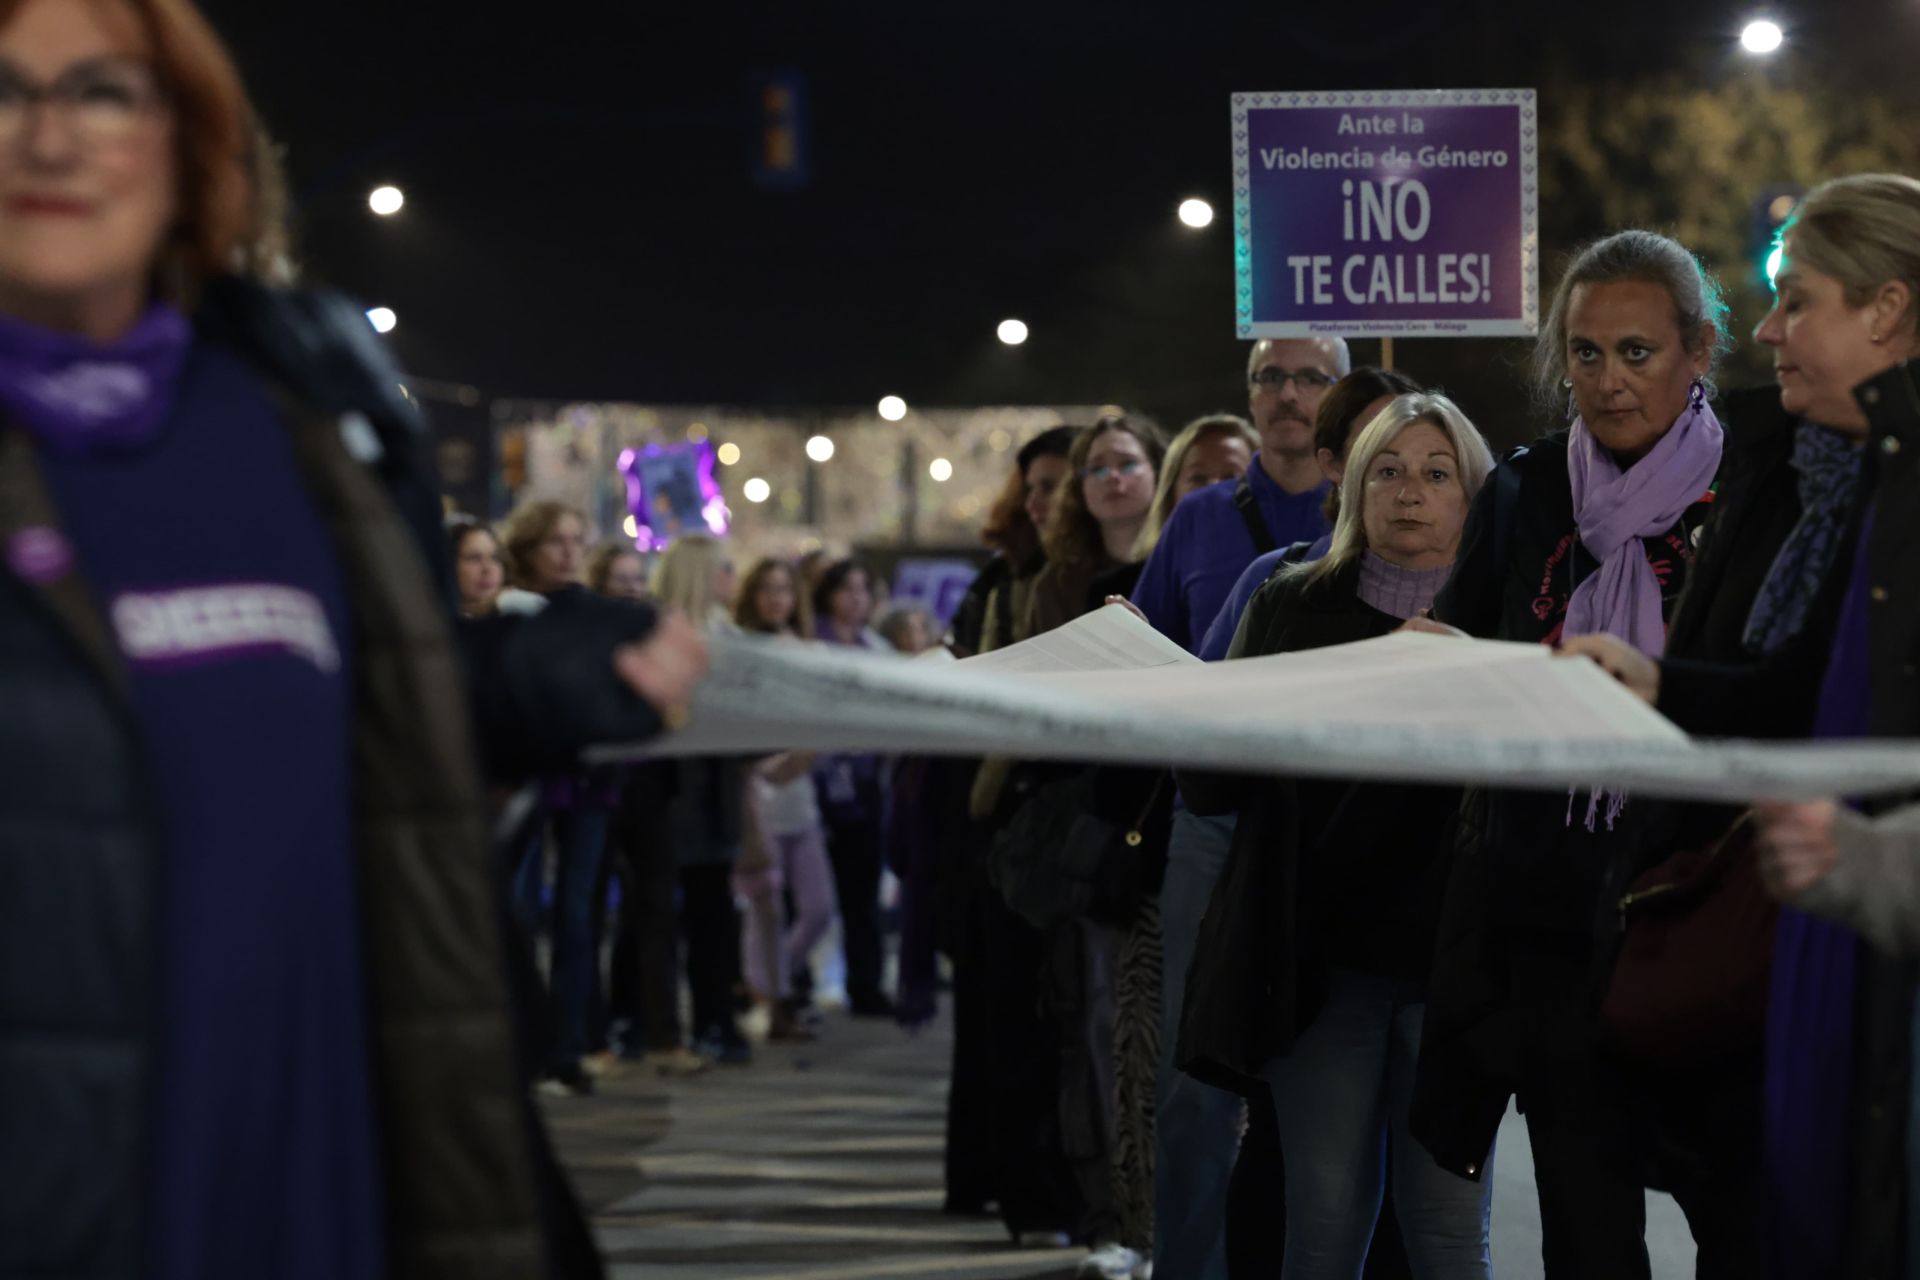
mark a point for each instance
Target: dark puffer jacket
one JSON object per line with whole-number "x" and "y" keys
{"x": 471, "y": 1188}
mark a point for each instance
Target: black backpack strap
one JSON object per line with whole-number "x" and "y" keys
{"x": 1263, "y": 540}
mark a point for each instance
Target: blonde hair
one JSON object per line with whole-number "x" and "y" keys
{"x": 1469, "y": 446}
{"x": 529, "y": 526}
{"x": 1862, "y": 230}
{"x": 683, "y": 577}
{"x": 1165, "y": 493}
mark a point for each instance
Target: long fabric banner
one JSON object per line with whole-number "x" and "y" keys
{"x": 1107, "y": 687}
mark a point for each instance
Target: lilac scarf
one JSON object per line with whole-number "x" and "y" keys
{"x": 76, "y": 395}
{"x": 1615, "y": 509}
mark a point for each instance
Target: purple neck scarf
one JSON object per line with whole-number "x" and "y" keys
{"x": 78, "y": 396}
{"x": 1615, "y": 509}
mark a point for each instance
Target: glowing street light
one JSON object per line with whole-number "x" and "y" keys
{"x": 1761, "y": 37}
{"x": 893, "y": 408}
{"x": 1196, "y": 213}
{"x": 941, "y": 470}
{"x": 819, "y": 448}
{"x": 757, "y": 490}
{"x": 382, "y": 319}
{"x": 386, "y": 201}
{"x": 728, "y": 453}
{"x": 1012, "y": 332}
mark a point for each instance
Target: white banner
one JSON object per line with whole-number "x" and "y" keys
{"x": 1405, "y": 707}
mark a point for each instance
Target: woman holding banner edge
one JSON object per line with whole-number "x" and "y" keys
{"x": 1591, "y": 528}
{"x": 1840, "y": 1015}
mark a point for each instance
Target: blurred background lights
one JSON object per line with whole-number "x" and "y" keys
{"x": 382, "y": 319}
{"x": 1012, "y": 332}
{"x": 728, "y": 453}
{"x": 893, "y": 408}
{"x": 757, "y": 490}
{"x": 940, "y": 469}
{"x": 819, "y": 448}
{"x": 386, "y": 201}
{"x": 1761, "y": 36}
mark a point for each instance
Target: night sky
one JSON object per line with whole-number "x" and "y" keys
{"x": 582, "y": 221}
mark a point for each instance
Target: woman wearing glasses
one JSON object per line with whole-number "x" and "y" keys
{"x": 1097, "y": 517}
{"x": 255, "y": 1016}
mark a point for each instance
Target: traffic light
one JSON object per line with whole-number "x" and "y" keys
{"x": 781, "y": 143}
{"x": 1771, "y": 209}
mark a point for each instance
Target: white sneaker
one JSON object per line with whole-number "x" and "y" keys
{"x": 1111, "y": 1262}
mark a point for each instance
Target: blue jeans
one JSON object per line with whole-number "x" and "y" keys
{"x": 1342, "y": 1094}
{"x": 1196, "y": 1128}
{"x": 580, "y": 842}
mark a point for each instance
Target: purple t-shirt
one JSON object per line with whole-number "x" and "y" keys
{"x": 211, "y": 564}
{"x": 1206, "y": 545}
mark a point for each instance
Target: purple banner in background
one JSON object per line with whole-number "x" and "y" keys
{"x": 1378, "y": 214}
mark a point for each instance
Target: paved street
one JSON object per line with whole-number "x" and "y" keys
{"x": 823, "y": 1163}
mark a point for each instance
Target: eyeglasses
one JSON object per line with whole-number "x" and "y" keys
{"x": 1305, "y": 379}
{"x": 101, "y": 103}
{"x": 1125, "y": 470}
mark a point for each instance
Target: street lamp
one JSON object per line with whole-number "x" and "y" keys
{"x": 1761, "y": 37}
{"x": 386, "y": 201}
{"x": 893, "y": 408}
{"x": 382, "y": 319}
{"x": 1012, "y": 332}
{"x": 820, "y": 449}
{"x": 1196, "y": 213}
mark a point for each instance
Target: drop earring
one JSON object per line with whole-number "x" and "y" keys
{"x": 1573, "y": 408}
{"x": 1697, "y": 395}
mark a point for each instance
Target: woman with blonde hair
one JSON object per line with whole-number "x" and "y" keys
{"x": 1207, "y": 451}
{"x": 1335, "y": 885}
{"x": 709, "y": 822}
{"x": 270, "y": 1025}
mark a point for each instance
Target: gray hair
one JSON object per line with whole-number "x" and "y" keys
{"x": 1645, "y": 257}
{"x": 1342, "y": 357}
{"x": 1469, "y": 446}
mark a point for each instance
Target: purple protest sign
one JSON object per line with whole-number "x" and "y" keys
{"x": 1384, "y": 214}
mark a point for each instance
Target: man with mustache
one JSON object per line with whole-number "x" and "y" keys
{"x": 1209, "y": 540}
{"x": 1217, "y": 532}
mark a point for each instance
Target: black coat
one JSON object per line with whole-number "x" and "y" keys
{"x": 1529, "y": 901}
{"x": 471, "y": 1187}
{"x": 1777, "y": 697}
{"x": 1321, "y": 872}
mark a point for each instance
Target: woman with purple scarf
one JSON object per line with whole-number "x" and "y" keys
{"x": 256, "y": 995}
{"x": 1590, "y": 529}
{"x": 1840, "y": 1026}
